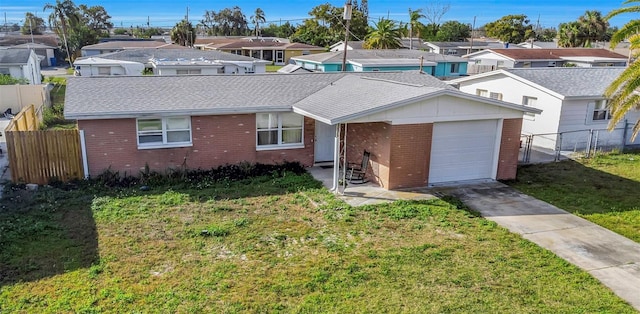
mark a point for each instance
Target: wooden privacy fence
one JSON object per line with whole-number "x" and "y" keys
{"x": 42, "y": 156}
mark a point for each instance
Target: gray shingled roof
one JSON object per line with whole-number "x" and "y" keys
{"x": 143, "y": 55}
{"x": 336, "y": 56}
{"x": 113, "y": 97}
{"x": 571, "y": 82}
{"x": 371, "y": 95}
{"x": 14, "y": 56}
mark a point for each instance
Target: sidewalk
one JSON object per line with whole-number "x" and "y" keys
{"x": 606, "y": 255}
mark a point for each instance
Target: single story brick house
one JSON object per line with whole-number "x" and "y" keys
{"x": 418, "y": 129}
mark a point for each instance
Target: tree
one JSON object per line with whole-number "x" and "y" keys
{"x": 435, "y": 11}
{"x": 283, "y": 31}
{"x": 256, "y": 19}
{"x": 183, "y": 33}
{"x": 64, "y": 12}
{"x": 622, "y": 93}
{"x": 326, "y": 26}
{"x": 32, "y": 25}
{"x": 510, "y": 29}
{"x": 414, "y": 24}
{"x": 570, "y": 35}
{"x": 453, "y": 31}
{"x": 593, "y": 27}
{"x": 97, "y": 19}
{"x": 384, "y": 35}
{"x": 547, "y": 34}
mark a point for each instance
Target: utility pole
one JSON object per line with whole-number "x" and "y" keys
{"x": 473, "y": 28}
{"x": 347, "y": 17}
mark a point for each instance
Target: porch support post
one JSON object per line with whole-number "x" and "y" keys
{"x": 336, "y": 159}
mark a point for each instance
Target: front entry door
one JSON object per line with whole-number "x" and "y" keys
{"x": 279, "y": 57}
{"x": 324, "y": 145}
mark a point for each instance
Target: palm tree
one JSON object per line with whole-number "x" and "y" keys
{"x": 570, "y": 35}
{"x": 384, "y": 35}
{"x": 183, "y": 33}
{"x": 256, "y": 19}
{"x": 64, "y": 11}
{"x": 593, "y": 26}
{"x": 414, "y": 23}
{"x": 624, "y": 92}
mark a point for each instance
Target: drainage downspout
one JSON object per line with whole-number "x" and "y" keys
{"x": 336, "y": 159}
{"x": 85, "y": 163}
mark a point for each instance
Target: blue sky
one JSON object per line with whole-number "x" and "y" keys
{"x": 167, "y": 13}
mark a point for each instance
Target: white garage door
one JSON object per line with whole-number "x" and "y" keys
{"x": 463, "y": 151}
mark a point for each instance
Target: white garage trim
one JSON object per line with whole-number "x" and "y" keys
{"x": 465, "y": 150}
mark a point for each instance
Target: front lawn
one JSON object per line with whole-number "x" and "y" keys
{"x": 604, "y": 189}
{"x": 271, "y": 244}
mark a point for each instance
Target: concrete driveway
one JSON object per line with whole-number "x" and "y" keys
{"x": 607, "y": 256}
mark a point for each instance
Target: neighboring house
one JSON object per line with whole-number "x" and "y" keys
{"x": 293, "y": 68}
{"x": 94, "y": 66}
{"x": 373, "y": 60}
{"x": 571, "y": 100}
{"x": 459, "y": 48}
{"x": 493, "y": 59}
{"x": 351, "y": 45}
{"x": 418, "y": 129}
{"x": 270, "y": 49}
{"x": 182, "y": 61}
{"x": 414, "y": 43}
{"x": 538, "y": 44}
{"x": 21, "y": 63}
{"x": 46, "y": 54}
{"x": 114, "y": 46}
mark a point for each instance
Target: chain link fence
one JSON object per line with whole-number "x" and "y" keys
{"x": 549, "y": 147}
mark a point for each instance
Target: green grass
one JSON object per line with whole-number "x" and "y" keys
{"x": 53, "y": 118}
{"x": 273, "y": 68}
{"x": 272, "y": 244}
{"x": 603, "y": 189}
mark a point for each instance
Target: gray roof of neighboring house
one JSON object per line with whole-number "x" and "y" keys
{"x": 571, "y": 82}
{"x": 143, "y": 55}
{"x": 32, "y": 46}
{"x": 292, "y": 68}
{"x": 336, "y": 56}
{"x": 14, "y": 56}
{"x": 373, "y": 95}
{"x": 115, "y": 97}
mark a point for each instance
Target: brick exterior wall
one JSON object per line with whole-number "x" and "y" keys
{"x": 376, "y": 139}
{"x": 509, "y": 149}
{"x": 399, "y": 153}
{"x": 217, "y": 140}
{"x": 410, "y": 155}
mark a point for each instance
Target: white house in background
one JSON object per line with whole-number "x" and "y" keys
{"x": 20, "y": 63}
{"x": 494, "y": 59}
{"x": 94, "y": 66}
{"x": 182, "y": 66}
{"x": 177, "y": 62}
{"x": 571, "y": 100}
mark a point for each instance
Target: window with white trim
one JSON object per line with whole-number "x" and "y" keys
{"x": 599, "y": 110}
{"x": 164, "y": 132}
{"x": 529, "y": 102}
{"x": 482, "y": 92}
{"x": 278, "y": 130}
{"x": 497, "y": 96}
